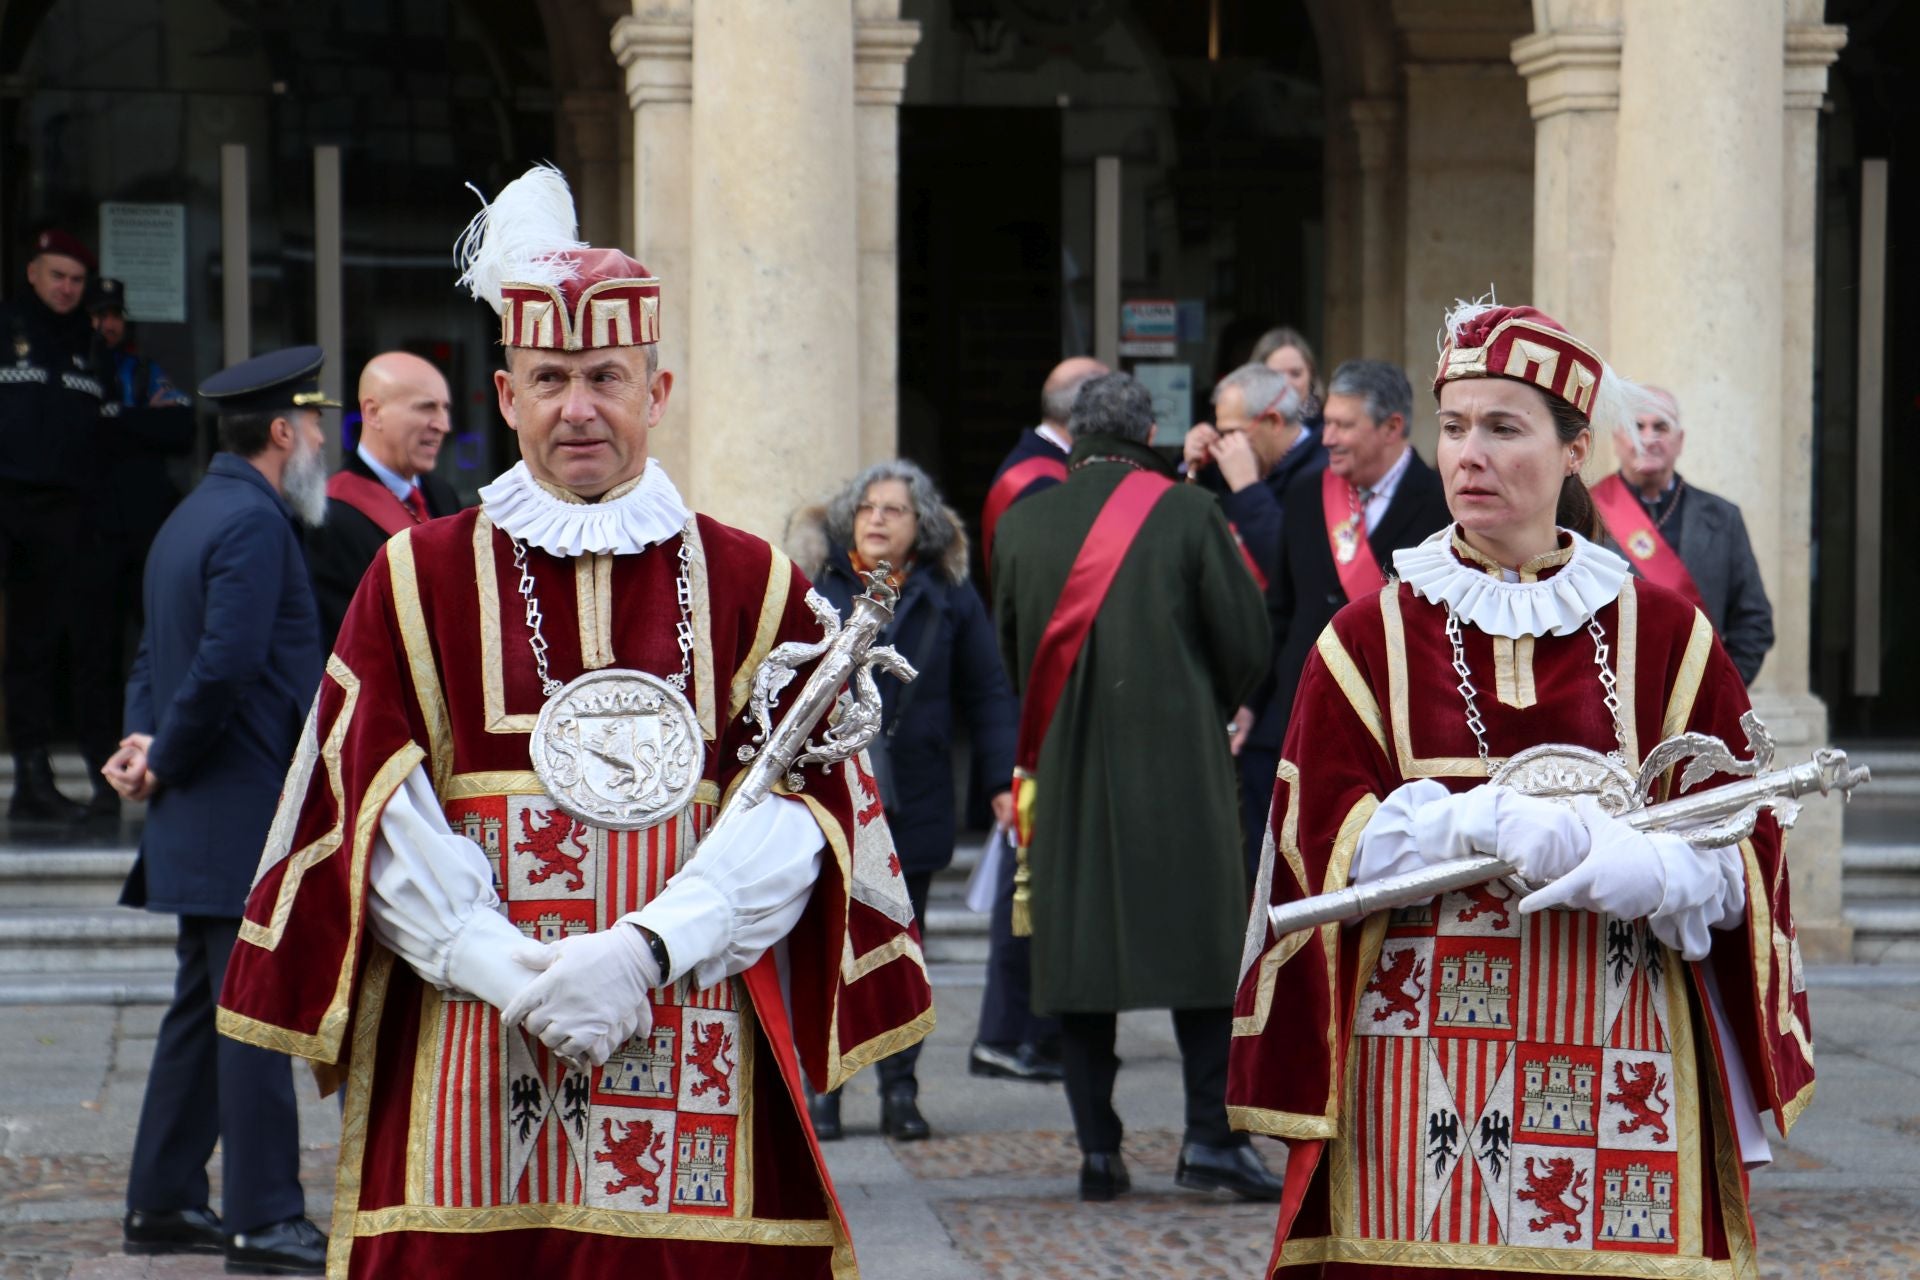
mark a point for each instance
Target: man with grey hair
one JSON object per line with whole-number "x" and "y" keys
{"x": 1131, "y": 629}
{"x": 1375, "y": 496}
{"x": 1681, "y": 536}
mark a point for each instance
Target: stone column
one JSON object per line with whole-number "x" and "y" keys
{"x": 882, "y": 45}
{"x": 1573, "y": 93}
{"x": 775, "y": 312}
{"x": 1469, "y": 176}
{"x": 655, "y": 46}
{"x": 1708, "y": 301}
{"x": 1376, "y": 126}
{"x": 589, "y": 148}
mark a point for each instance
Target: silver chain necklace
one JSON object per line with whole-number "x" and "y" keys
{"x": 683, "y": 630}
{"x": 1608, "y": 687}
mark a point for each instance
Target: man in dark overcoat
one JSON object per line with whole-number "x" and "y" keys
{"x": 1394, "y": 500}
{"x": 1138, "y": 898}
{"x": 228, "y": 665}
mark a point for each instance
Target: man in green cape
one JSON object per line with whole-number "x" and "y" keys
{"x": 1132, "y": 628}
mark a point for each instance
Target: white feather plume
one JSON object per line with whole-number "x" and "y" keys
{"x": 517, "y": 238}
{"x": 1460, "y": 313}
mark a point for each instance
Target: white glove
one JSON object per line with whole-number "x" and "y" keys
{"x": 1680, "y": 891}
{"x": 492, "y": 959}
{"x": 593, "y": 996}
{"x": 1542, "y": 840}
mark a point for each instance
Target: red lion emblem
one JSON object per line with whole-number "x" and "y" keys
{"x": 636, "y": 1143}
{"x": 1399, "y": 985}
{"x": 711, "y": 1045}
{"x": 544, "y": 843}
{"x": 1551, "y": 1188}
{"x": 1638, "y": 1096}
{"x": 1484, "y": 898}
{"x": 870, "y": 788}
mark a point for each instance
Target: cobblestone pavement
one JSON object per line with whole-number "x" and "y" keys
{"x": 992, "y": 1196}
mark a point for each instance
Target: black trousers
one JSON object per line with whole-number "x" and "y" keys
{"x": 57, "y": 570}
{"x": 205, "y": 1087}
{"x": 1086, "y": 1051}
{"x": 899, "y": 1068}
{"x": 1007, "y": 1018}
{"x": 1257, "y": 767}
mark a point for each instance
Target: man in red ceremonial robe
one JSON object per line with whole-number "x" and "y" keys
{"x": 1565, "y": 1082}
{"x": 569, "y": 1049}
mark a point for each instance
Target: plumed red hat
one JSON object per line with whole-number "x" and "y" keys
{"x": 522, "y": 255}
{"x": 66, "y": 244}
{"x": 1483, "y": 341}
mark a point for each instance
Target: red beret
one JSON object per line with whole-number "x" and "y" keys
{"x": 54, "y": 240}
{"x": 1526, "y": 345}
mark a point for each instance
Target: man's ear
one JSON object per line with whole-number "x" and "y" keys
{"x": 1401, "y": 419}
{"x": 503, "y": 388}
{"x": 281, "y": 433}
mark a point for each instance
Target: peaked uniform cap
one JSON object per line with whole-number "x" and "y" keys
{"x": 1527, "y": 345}
{"x": 284, "y": 379}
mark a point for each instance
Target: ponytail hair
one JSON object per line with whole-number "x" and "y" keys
{"x": 1575, "y": 509}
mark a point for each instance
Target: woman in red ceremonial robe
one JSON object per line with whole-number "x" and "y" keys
{"x": 1565, "y": 1082}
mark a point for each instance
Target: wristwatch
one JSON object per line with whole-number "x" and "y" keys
{"x": 660, "y": 956}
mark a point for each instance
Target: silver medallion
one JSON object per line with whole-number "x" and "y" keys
{"x": 618, "y": 749}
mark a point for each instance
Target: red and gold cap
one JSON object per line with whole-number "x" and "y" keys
{"x": 522, "y": 255}
{"x": 1484, "y": 341}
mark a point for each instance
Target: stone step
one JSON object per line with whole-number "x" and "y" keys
{"x": 1872, "y": 872}
{"x": 1886, "y": 931}
{"x": 1896, "y": 778}
{"x": 55, "y": 877}
{"x": 109, "y": 986}
{"x": 84, "y": 940}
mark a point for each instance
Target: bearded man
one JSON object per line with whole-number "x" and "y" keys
{"x": 227, "y": 665}
{"x": 570, "y": 1024}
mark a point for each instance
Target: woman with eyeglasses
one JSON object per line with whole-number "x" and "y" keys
{"x": 892, "y": 513}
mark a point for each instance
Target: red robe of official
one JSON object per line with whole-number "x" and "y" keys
{"x": 468, "y": 1148}
{"x": 1465, "y": 1088}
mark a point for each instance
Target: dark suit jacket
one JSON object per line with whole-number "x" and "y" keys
{"x": 1305, "y": 594}
{"x": 341, "y": 549}
{"x": 228, "y": 665}
{"x": 1713, "y": 544}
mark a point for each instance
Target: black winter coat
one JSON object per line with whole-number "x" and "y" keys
{"x": 941, "y": 627}
{"x": 50, "y": 397}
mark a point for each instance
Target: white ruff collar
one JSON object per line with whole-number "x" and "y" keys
{"x": 630, "y": 518}
{"x": 1588, "y": 578}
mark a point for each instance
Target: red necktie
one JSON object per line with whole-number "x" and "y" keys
{"x": 417, "y": 504}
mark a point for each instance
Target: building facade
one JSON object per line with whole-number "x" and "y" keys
{"x": 879, "y": 222}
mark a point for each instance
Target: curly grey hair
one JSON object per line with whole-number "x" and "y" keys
{"x": 937, "y": 531}
{"x": 1263, "y": 390}
{"x": 1113, "y": 404}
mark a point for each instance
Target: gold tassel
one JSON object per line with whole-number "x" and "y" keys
{"x": 1022, "y": 895}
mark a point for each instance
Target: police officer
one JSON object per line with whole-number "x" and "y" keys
{"x": 228, "y": 665}
{"x": 146, "y": 427}
{"x": 50, "y": 404}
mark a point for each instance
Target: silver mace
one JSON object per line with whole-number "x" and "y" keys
{"x": 1707, "y": 819}
{"x": 846, "y": 656}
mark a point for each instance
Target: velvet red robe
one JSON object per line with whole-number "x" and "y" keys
{"x": 1351, "y": 1041}
{"x": 466, "y": 1148}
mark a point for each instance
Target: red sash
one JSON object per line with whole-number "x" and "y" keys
{"x": 1094, "y": 567}
{"x": 1649, "y": 553}
{"x": 1360, "y": 574}
{"x": 1008, "y": 487}
{"x": 371, "y": 499}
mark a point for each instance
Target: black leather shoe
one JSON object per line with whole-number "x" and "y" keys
{"x": 1238, "y": 1169}
{"x": 35, "y": 797}
{"x": 824, "y": 1109}
{"x": 292, "y": 1248}
{"x": 1103, "y": 1175}
{"x": 144, "y": 1231}
{"x": 900, "y": 1114}
{"x": 1022, "y": 1062}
